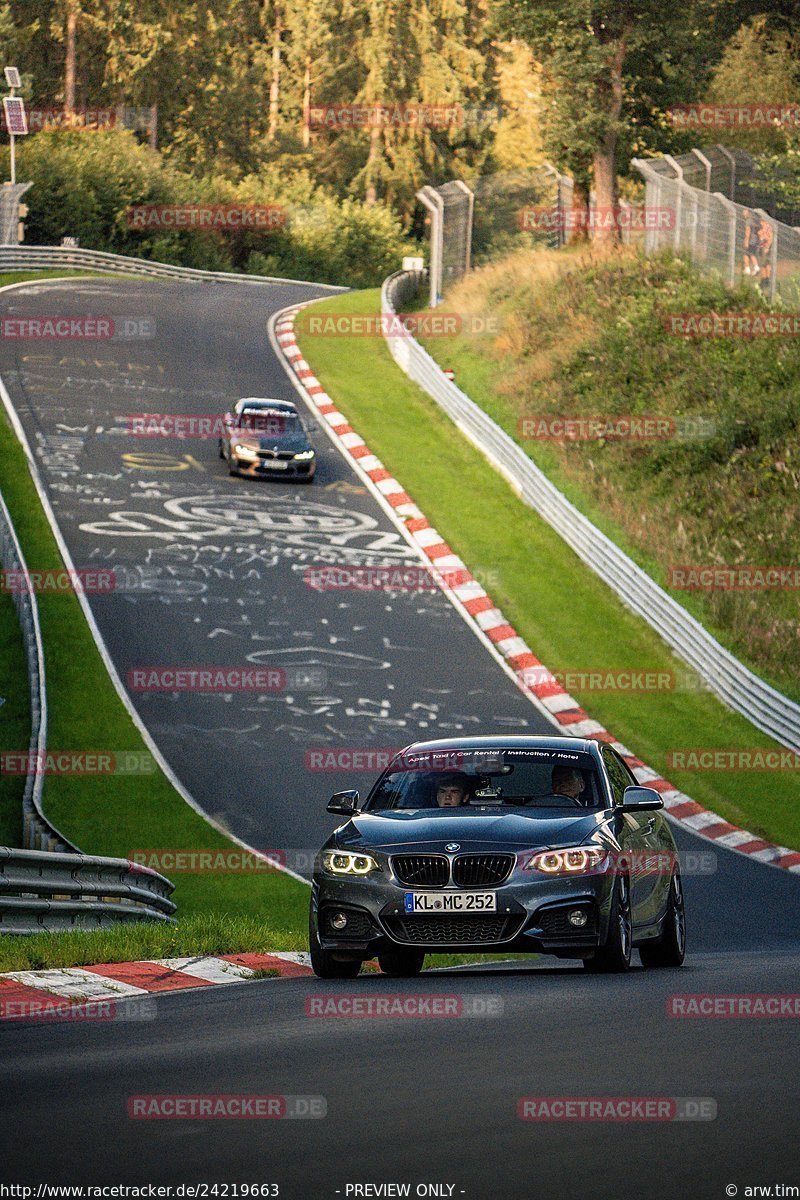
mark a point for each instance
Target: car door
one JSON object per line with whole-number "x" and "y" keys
{"x": 651, "y": 867}
{"x": 634, "y": 831}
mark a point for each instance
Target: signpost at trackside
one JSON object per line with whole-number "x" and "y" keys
{"x": 16, "y": 117}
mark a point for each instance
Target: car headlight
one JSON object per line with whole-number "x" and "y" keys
{"x": 573, "y": 860}
{"x": 304, "y": 454}
{"x": 245, "y": 451}
{"x": 342, "y": 862}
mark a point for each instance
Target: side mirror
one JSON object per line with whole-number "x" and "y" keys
{"x": 640, "y": 799}
{"x": 343, "y": 803}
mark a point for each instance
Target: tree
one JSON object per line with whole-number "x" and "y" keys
{"x": 763, "y": 50}
{"x": 602, "y": 62}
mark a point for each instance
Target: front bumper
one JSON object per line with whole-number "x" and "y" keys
{"x": 265, "y": 468}
{"x": 531, "y": 917}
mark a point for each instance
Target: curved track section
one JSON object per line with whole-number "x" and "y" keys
{"x": 409, "y": 1102}
{"x": 215, "y": 571}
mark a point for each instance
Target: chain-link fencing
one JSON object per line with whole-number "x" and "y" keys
{"x": 717, "y": 229}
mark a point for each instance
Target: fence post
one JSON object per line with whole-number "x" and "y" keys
{"x": 435, "y": 206}
{"x": 731, "y": 210}
{"x": 678, "y": 169}
{"x": 470, "y": 211}
{"x": 727, "y": 154}
{"x": 707, "y": 164}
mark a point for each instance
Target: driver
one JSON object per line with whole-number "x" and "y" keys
{"x": 567, "y": 781}
{"x": 452, "y": 791}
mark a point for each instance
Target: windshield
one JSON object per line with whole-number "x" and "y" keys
{"x": 475, "y": 780}
{"x": 269, "y": 423}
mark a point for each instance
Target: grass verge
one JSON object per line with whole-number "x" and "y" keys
{"x": 571, "y": 620}
{"x": 586, "y": 334}
{"x": 195, "y": 934}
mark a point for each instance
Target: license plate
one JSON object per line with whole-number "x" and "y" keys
{"x": 441, "y": 902}
{"x": 275, "y": 464}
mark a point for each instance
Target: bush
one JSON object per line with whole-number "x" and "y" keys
{"x": 84, "y": 182}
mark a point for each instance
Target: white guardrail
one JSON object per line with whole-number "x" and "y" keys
{"x": 51, "y": 885}
{"x": 37, "y": 832}
{"x": 49, "y": 258}
{"x": 769, "y": 710}
{"x": 41, "y": 892}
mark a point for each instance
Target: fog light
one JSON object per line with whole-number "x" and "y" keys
{"x": 578, "y": 918}
{"x": 338, "y": 920}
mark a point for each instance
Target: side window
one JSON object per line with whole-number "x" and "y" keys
{"x": 616, "y": 773}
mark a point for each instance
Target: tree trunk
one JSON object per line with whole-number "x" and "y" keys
{"x": 69, "y": 64}
{"x": 275, "y": 85}
{"x": 577, "y": 227}
{"x": 307, "y": 103}
{"x": 372, "y": 159}
{"x": 605, "y": 156}
{"x": 606, "y": 228}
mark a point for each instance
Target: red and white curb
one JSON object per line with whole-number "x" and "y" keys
{"x": 564, "y": 711}
{"x": 36, "y": 993}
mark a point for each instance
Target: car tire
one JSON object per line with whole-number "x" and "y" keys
{"x": 670, "y": 949}
{"x": 221, "y": 451}
{"x": 615, "y": 955}
{"x": 399, "y": 964}
{"x": 325, "y": 965}
{"x": 233, "y": 466}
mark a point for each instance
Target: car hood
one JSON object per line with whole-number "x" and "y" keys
{"x": 428, "y": 832}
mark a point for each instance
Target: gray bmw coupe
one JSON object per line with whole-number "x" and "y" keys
{"x": 539, "y": 844}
